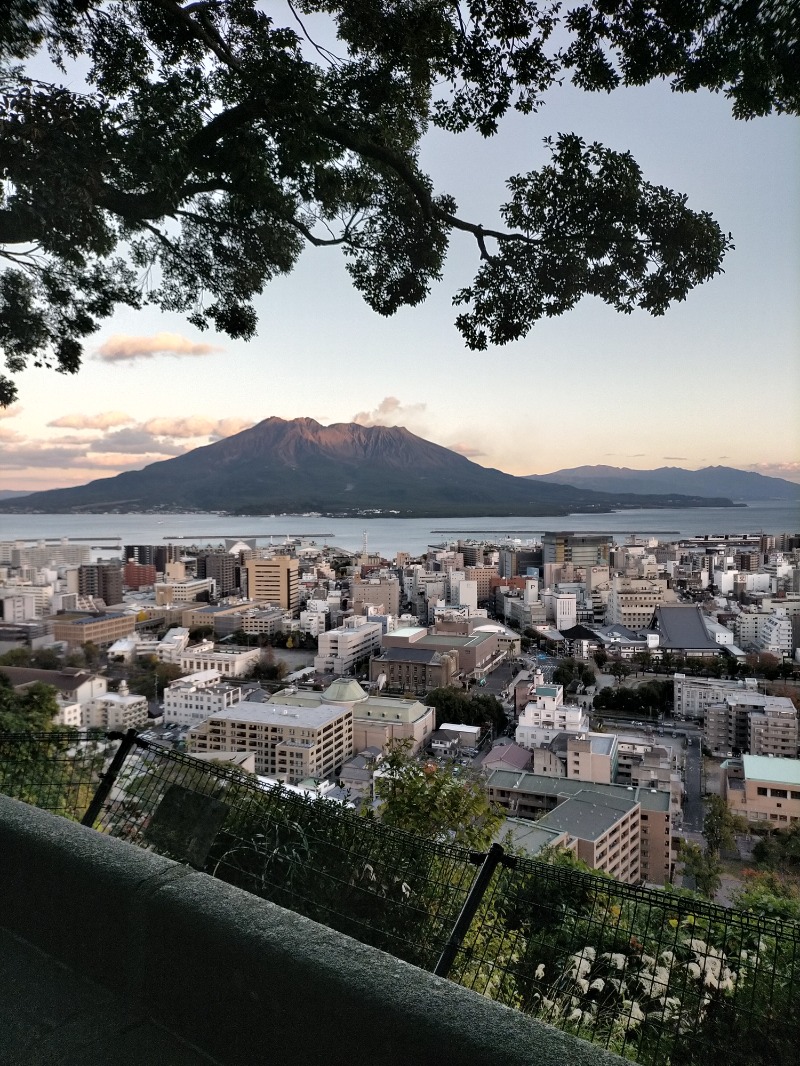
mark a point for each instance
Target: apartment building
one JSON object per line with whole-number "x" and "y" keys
{"x": 290, "y": 743}
{"x": 632, "y": 601}
{"x": 692, "y": 695}
{"x": 763, "y": 789}
{"x": 610, "y": 841}
{"x": 340, "y": 649}
{"x": 483, "y": 576}
{"x": 190, "y": 700}
{"x": 545, "y": 715}
{"x": 381, "y": 591}
{"x": 275, "y": 581}
{"x": 606, "y": 831}
{"x": 753, "y": 723}
{"x": 102, "y": 581}
{"x": 138, "y": 575}
{"x": 44, "y": 553}
{"x": 223, "y": 568}
{"x": 115, "y": 710}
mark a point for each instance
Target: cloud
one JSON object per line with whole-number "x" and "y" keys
{"x": 122, "y": 347}
{"x": 677, "y": 458}
{"x": 723, "y": 457}
{"x": 465, "y": 449}
{"x": 390, "y": 412}
{"x": 195, "y": 426}
{"x": 104, "y": 420}
{"x": 10, "y": 412}
{"x": 135, "y": 440}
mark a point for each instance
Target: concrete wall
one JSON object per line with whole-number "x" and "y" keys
{"x": 242, "y": 979}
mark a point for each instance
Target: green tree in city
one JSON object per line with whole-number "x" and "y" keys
{"x": 466, "y": 708}
{"x": 434, "y": 802}
{"x": 618, "y": 670}
{"x": 703, "y": 865}
{"x": 16, "y": 657}
{"x": 720, "y": 826}
{"x": 187, "y": 154}
{"x": 31, "y": 710}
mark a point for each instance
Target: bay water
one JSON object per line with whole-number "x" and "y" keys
{"x": 107, "y": 533}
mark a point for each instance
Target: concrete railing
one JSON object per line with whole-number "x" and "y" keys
{"x": 242, "y": 979}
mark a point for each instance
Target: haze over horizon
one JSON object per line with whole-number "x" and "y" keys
{"x": 713, "y": 382}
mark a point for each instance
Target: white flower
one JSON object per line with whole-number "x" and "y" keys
{"x": 637, "y": 1014}
{"x": 618, "y": 960}
{"x": 580, "y": 965}
{"x": 582, "y": 984}
{"x": 539, "y": 972}
{"x": 667, "y": 956}
{"x": 699, "y": 946}
{"x": 598, "y": 984}
{"x": 575, "y": 1015}
{"x": 648, "y": 960}
{"x": 694, "y": 970}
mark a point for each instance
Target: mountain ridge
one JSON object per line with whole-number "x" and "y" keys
{"x": 710, "y": 480}
{"x": 297, "y": 466}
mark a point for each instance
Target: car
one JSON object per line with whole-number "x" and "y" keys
{"x": 674, "y": 733}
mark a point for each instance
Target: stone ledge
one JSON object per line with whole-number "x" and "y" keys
{"x": 243, "y": 979}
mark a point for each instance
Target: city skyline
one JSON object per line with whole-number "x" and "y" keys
{"x": 713, "y": 382}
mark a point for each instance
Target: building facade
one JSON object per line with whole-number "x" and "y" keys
{"x": 275, "y": 580}
{"x": 290, "y": 744}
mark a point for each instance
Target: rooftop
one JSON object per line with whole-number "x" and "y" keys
{"x": 542, "y": 785}
{"x": 778, "y": 771}
{"x": 277, "y": 714}
{"x": 588, "y": 814}
{"x": 681, "y": 626}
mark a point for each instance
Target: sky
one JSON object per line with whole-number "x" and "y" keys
{"x": 716, "y": 381}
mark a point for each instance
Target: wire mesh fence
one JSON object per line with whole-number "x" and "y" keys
{"x": 58, "y": 772}
{"x": 659, "y": 977}
{"x": 656, "y": 976}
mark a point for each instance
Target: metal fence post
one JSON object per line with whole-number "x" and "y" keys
{"x": 109, "y": 777}
{"x": 493, "y": 858}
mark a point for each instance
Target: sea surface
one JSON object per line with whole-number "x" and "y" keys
{"x": 106, "y": 534}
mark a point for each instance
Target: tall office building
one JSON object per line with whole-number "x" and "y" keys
{"x": 275, "y": 580}
{"x": 102, "y": 580}
{"x": 223, "y": 568}
{"x": 580, "y": 549}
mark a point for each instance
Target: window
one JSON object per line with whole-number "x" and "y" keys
{"x": 762, "y": 791}
{"x": 779, "y": 793}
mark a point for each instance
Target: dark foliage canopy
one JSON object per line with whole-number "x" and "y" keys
{"x": 211, "y": 142}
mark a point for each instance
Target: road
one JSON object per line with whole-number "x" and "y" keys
{"x": 693, "y": 801}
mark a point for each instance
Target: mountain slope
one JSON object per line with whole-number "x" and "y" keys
{"x": 710, "y": 481}
{"x": 300, "y": 466}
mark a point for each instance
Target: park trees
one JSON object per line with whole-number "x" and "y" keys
{"x": 211, "y": 142}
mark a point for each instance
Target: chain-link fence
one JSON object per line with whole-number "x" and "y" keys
{"x": 657, "y": 976}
